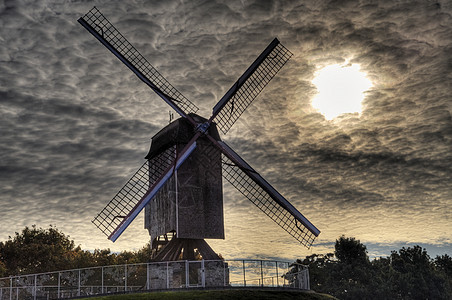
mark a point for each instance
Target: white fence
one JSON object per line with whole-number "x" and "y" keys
{"x": 154, "y": 276}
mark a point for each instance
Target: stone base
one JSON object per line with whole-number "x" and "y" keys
{"x": 177, "y": 274}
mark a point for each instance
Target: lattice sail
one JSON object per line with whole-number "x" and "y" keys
{"x": 250, "y": 84}
{"x": 108, "y": 35}
{"x": 248, "y": 182}
{"x": 133, "y": 191}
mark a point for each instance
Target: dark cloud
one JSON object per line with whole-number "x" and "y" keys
{"x": 76, "y": 123}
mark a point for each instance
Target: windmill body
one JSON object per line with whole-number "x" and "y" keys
{"x": 180, "y": 184}
{"x": 191, "y": 201}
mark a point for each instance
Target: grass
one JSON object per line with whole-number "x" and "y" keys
{"x": 242, "y": 293}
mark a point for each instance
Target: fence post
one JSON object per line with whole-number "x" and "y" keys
{"x": 203, "y": 274}
{"x": 277, "y": 276}
{"x": 224, "y": 273}
{"x": 59, "y": 283}
{"x": 102, "y": 280}
{"x": 34, "y": 289}
{"x": 11, "y": 288}
{"x": 78, "y": 291}
{"x": 262, "y": 275}
{"x": 244, "y": 277}
{"x": 148, "y": 283}
{"x": 167, "y": 276}
{"x": 187, "y": 276}
{"x": 125, "y": 278}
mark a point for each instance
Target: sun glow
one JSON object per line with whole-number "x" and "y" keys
{"x": 340, "y": 90}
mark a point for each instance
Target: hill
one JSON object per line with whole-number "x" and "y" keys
{"x": 241, "y": 294}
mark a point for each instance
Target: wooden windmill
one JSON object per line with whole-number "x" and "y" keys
{"x": 180, "y": 184}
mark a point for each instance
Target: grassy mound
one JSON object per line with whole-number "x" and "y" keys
{"x": 244, "y": 294}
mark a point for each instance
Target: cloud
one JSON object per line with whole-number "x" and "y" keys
{"x": 76, "y": 123}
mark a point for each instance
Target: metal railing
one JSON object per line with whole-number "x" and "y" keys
{"x": 154, "y": 276}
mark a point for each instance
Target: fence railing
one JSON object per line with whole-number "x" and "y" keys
{"x": 154, "y": 276}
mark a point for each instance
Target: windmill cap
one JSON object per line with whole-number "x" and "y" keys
{"x": 180, "y": 131}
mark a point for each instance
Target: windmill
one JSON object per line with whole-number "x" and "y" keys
{"x": 180, "y": 184}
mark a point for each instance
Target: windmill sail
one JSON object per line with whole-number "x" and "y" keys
{"x": 139, "y": 190}
{"x": 249, "y": 85}
{"x": 95, "y": 22}
{"x": 256, "y": 189}
{"x": 133, "y": 191}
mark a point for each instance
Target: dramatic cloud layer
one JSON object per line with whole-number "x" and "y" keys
{"x": 76, "y": 123}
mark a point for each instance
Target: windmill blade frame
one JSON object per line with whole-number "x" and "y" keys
{"x": 243, "y": 92}
{"x": 120, "y": 205}
{"x": 250, "y": 183}
{"x": 99, "y": 26}
{"x": 135, "y": 197}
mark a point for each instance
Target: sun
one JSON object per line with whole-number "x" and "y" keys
{"x": 340, "y": 90}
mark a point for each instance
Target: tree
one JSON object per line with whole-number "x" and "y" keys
{"x": 415, "y": 275}
{"x": 36, "y": 250}
{"x": 409, "y": 273}
{"x": 353, "y": 271}
{"x": 444, "y": 263}
{"x": 350, "y": 251}
{"x": 3, "y": 270}
{"x": 346, "y": 277}
{"x": 320, "y": 266}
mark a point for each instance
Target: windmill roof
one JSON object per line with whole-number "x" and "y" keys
{"x": 180, "y": 131}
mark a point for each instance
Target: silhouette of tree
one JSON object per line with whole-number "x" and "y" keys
{"x": 444, "y": 263}
{"x": 3, "y": 269}
{"x": 318, "y": 265}
{"x": 352, "y": 273}
{"x": 415, "y": 275}
{"x": 407, "y": 274}
{"x": 350, "y": 251}
{"x": 37, "y": 250}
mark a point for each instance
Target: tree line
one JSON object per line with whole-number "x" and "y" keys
{"x": 348, "y": 273}
{"x": 408, "y": 273}
{"x": 38, "y": 250}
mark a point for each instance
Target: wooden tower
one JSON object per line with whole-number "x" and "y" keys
{"x": 189, "y": 207}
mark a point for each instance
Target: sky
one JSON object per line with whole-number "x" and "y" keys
{"x": 76, "y": 123}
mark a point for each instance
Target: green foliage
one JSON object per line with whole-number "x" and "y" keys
{"x": 416, "y": 275}
{"x": 407, "y": 274}
{"x": 37, "y": 250}
{"x": 317, "y": 264}
{"x": 3, "y": 270}
{"x": 444, "y": 263}
{"x": 350, "y": 251}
